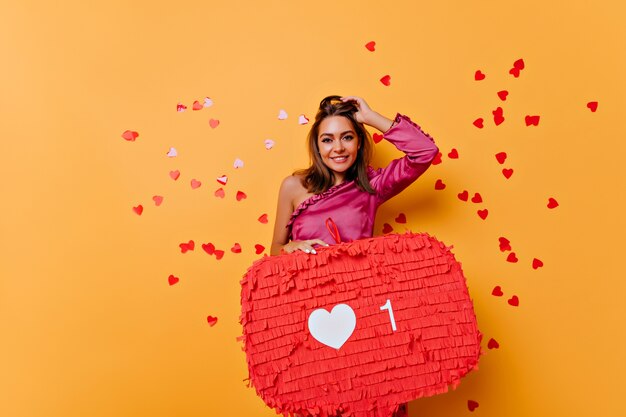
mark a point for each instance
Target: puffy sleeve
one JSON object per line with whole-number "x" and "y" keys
{"x": 420, "y": 150}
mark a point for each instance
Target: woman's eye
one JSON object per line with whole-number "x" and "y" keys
{"x": 348, "y": 137}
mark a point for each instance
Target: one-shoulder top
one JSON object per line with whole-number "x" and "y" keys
{"x": 353, "y": 211}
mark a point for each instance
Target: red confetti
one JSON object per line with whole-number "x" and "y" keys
{"x": 401, "y": 218}
{"x": 501, "y": 157}
{"x": 497, "y": 291}
{"x": 181, "y": 107}
{"x": 537, "y": 263}
{"x": 478, "y": 75}
{"x": 503, "y": 94}
{"x": 214, "y": 123}
{"x": 236, "y": 248}
{"x": 472, "y": 405}
{"x": 552, "y": 203}
{"x": 493, "y": 344}
{"x": 219, "y": 254}
{"x": 157, "y": 200}
{"x": 130, "y": 135}
{"x": 512, "y": 257}
{"x": 222, "y": 180}
{"x": 507, "y": 173}
{"x": 483, "y": 213}
{"x": 371, "y": 46}
{"x": 593, "y": 106}
{"x": 387, "y": 228}
{"x": 172, "y": 279}
{"x": 197, "y": 105}
{"x": 437, "y": 159}
{"x": 386, "y": 80}
{"x": 504, "y": 244}
{"x": 517, "y": 67}
{"x": 211, "y": 320}
{"x": 209, "y": 248}
{"x": 479, "y": 123}
{"x": 463, "y": 196}
{"x": 219, "y": 193}
{"x": 477, "y": 198}
{"x": 377, "y": 137}
{"x": 439, "y": 185}
{"x": 498, "y": 116}
{"x": 184, "y": 247}
{"x": 174, "y": 174}
{"x": 258, "y": 249}
{"x": 195, "y": 183}
{"x": 453, "y": 154}
{"x": 263, "y": 218}
{"x": 240, "y": 195}
{"x": 514, "y": 301}
{"x": 138, "y": 209}
{"x": 532, "y": 120}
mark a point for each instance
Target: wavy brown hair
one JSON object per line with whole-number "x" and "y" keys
{"x": 318, "y": 177}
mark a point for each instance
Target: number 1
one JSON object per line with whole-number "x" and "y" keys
{"x": 387, "y": 306}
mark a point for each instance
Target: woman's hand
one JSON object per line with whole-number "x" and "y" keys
{"x": 368, "y": 116}
{"x": 303, "y": 245}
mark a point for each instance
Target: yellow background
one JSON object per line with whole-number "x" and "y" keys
{"x": 88, "y": 323}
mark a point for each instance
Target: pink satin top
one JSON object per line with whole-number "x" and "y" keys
{"x": 353, "y": 211}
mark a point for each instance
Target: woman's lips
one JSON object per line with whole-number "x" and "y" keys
{"x": 340, "y": 159}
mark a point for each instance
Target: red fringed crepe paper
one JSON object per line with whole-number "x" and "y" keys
{"x": 436, "y": 341}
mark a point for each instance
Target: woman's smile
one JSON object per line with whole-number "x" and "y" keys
{"x": 338, "y": 144}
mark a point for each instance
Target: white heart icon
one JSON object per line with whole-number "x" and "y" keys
{"x": 335, "y": 328}
{"x": 172, "y": 153}
{"x": 207, "y": 102}
{"x": 282, "y": 115}
{"x": 303, "y": 119}
{"x": 269, "y": 144}
{"x": 238, "y": 163}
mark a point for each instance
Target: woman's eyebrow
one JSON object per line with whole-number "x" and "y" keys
{"x": 342, "y": 133}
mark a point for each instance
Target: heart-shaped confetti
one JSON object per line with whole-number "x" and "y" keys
{"x": 517, "y": 67}
{"x": 514, "y": 301}
{"x": 401, "y": 218}
{"x": 493, "y": 344}
{"x": 269, "y": 144}
{"x": 512, "y": 258}
{"x": 453, "y": 154}
{"x": 219, "y": 254}
{"x": 483, "y": 213}
{"x": 238, "y": 163}
{"x": 478, "y": 75}
{"x": 478, "y": 123}
{"x": 497, "y": 291}
{"x": 302, "y": 119}
{"x": 181, "y": 107}
{"x": 503, "y": 94}
{"x": 437, "y": 159}
{"x": 209, "y": 248}
{"x": 222, "y": 180}
{"x": 172, "y": 153}
{"x": 197, "y": 105}
{"x": 195, "y": 183}
{"x": 236, "y": 248}
{"x": 532, "y": 120}
{"x": 211, "y": 320}
{"x": 214, "y": 123}
{"x": 282, "y": 115}
{"x": 439, "y": 185}
{"x": 593, "y": 106}
{"x": 477, "y": 198}
{"x": 386, "y": 80}
{"x": 263, "y": 218}
{"x": 208, "y": 102}
{"x": 371, "y": 46}
{"x": 552, "y": 203}
{"x": 507, "y": 173}
{"x": 377, "y": 137}
{"x": 472, "y": 405}
{"x": 501, "y": 157}
{"x": 184, "y": 247}
{"x": 241, "y": 195}
{"x": 130, "y": 135}
{"x": 505, "y": 244}
{"x": 158, "y": 199}
{"x": 174, "y": 174}
{"x": 258, "y": 249}
{"x": 537, "y": 263}
{"x": 219, "y": 193}
{"x": 387, "y": 228}
{"x": 463, "y": 196}
{"x": 498, "y": 116}
{"x": 138, "y": 209}
{"x": 172, "y": 279}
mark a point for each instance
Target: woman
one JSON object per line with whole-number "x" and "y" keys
{"x": 336, "y": 198}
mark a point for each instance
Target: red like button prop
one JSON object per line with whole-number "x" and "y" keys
{"x": 358, "y": 328}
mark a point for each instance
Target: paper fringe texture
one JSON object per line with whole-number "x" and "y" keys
{"x": 436, "y": 343}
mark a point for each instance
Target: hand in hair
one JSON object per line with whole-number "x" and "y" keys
{"x": 361, "y": 116}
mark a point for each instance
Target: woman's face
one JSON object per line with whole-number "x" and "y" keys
{"x": 338, "y": 144}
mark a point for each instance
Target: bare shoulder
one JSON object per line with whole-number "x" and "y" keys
{"x": 293, "y": 190}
